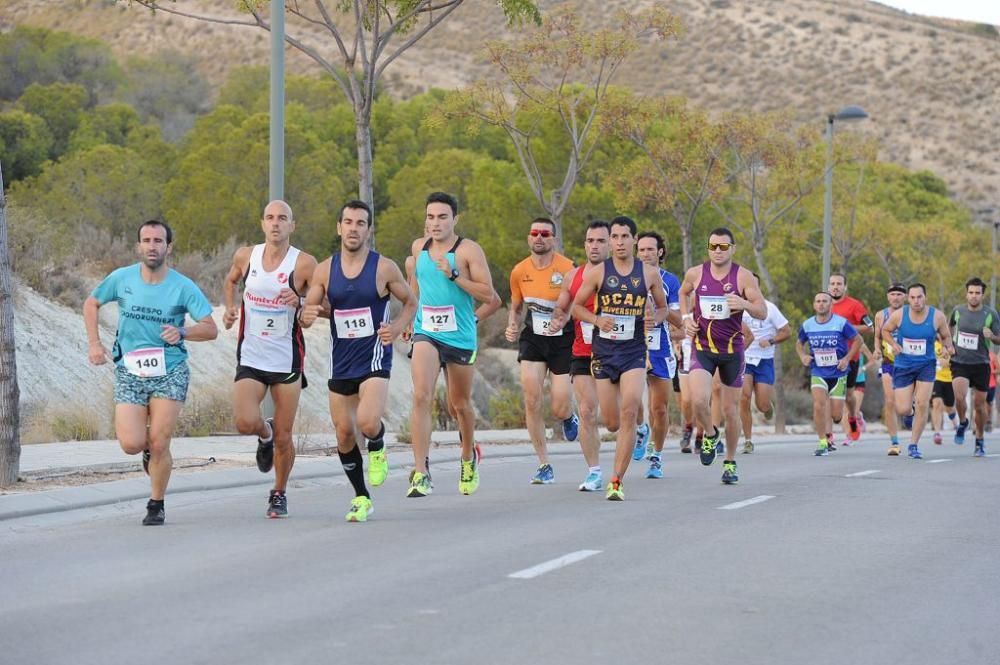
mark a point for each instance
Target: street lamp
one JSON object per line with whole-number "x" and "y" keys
{"x": 846, "y": 114}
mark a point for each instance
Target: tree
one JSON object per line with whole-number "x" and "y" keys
{"x": 558, "y": 71}
{"x": 27, "y": 142}
{"x": 10, "y": 420}
{"x": 60, "y": 105}
{"x": 368, "y": 36}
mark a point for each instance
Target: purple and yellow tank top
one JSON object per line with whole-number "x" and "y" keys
{"x": 719, "y": 329}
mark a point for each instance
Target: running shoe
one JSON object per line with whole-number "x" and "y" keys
{"x": 641, "y": 436}
{"x": 893, "y": 450}
{"x": 155, "y": 513}
{"x": 265, "y": 450}
{"x": 855, "y": 431}
{"x": 980, "y": 448}
{"x": 914, "y": 452}
{"x": 420, "y": 485}
{"x": 960, "y": 432}
{"x": 747, "y": 447}
{"x": 378, "y": 467}
{"x": 614, "y": 492}
{"x": 937, "y": 439}
{"x": 709, "y": 448}
{"x": 729, "y": 474}
{"x": 277, "y": 505}
{"x": 592, "y": 483}
{"x": 469, "y": 480}
{"x": 361, "y": 508}
{"x": 544, "y": 475}
{"x": 862, "y": 426}
{"x": 720, "y": 447}
{"x": 830, "y": 445}
{"x": 650, "y": 450}
{"x": 571, "y": 428}
{"x": 822, "y": 449}
{"x": 145, "y": 461}
{"x": 655, "y": 468}
{"x": 686, "y": 441}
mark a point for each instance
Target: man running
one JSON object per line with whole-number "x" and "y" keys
{"x": 856, "y": 314}
{"x": 357, "y": 283}
{"x": 973, "y": 327}
{"x": 622, "y": 284}
{"x": 595, "y": 244}
{"x": 722, "y": 291}
{"x": 825, "y": 345}
{"x": 535, "y": 285}
{"x": 758, "y": 376}
{"x": 270, "y": 349}
{"x": 451, "y": 276}
{"x": 896, "y": 296}
{"x": 918, "y": 325}
{"x": 150, "y": 356}
{"x": 662, "y": 368}
{"x": 942, "y": 395}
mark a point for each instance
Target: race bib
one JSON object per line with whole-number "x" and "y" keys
{"x": 714, "y": 307}
{"x": 653, "y": 339}
{"x": 825, "y": 357}
{"x": 354, "y": 323}
{"x": 623, "y": 329}
{"x": 752, "y": 360}
{"x": 268, "y": 323}
{"x": 587, "y": 332}
{"x": 914, "y": 347}
{"x": 439, "y": 319}
{"x": 967, "y": 341}
{"x": 146, "y": 362}
{"x": 541, "y": 324}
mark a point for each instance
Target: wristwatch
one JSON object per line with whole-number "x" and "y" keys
{"x": 182, "y": 332}
{"x": 454, "y": 274}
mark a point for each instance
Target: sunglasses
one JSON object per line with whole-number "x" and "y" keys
{"x": 534, "y": 233}
{"x": 723, "y": 246}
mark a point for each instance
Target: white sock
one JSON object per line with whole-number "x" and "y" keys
{"x": 595, "y": 469}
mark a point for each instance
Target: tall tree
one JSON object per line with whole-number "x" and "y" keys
{"x": 559, "y": 70}
{"x": 10, "y": 420}
{"x": 368, "y": 36}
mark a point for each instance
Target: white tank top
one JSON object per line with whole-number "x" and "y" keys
{"x": 270, "y": 339}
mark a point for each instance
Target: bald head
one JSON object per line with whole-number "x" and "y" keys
{"x": 277, "y": 208}
{"x": 277, "y": 222}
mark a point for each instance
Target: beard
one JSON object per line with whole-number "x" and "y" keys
{"x": 154, "y": 262}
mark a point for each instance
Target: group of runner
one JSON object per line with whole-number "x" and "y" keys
{"x": 605, "y": 333}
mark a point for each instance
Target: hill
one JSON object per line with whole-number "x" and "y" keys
{"x": 928, "y": 85}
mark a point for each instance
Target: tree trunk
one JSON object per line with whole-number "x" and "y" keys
{"x": 779, "y": 392}
{"x": 10, "y": 443}
{"x": 363, "y": 138}
{"x": 686, "y": 246}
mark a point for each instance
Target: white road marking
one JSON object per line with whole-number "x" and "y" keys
{"x": 749, "y": 502}
{"x": 554, "y": 564}
{"x": 994, "y": 455}
{"x": 869, "y": 472}
{"x": 937, "y": 461}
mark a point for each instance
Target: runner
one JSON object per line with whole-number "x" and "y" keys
{"x": 622, "y": 284}
{"x": 356, "y": 283}
{"x": 150, "y": 356}
{"x": 662, "y": 366}
{"x": 758, "y": 375}
{"x": 722, "y": 290}
{"x": 535, "y": 285}
{"x": 825, "y": 345}
{"x": 865, "y": 365}
{"x": 973, "y": 326}
{"x": 992, "y": 393}
{"x": 883, "y": 354}
{"x": 683, "y": 344}
{"x": 857, "y": 315}
{"x": 918, "y": 325}
{"x": 270, "y": 349}
{"x": 943, "y": 394}
{"x": 595, "y": 243}
{"x": 451, "y": 275}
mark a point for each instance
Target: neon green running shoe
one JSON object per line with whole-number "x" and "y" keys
{"x": 361, "y": 508}
{"x": 420, "y": 485}
{"x": 469, "y": 481}
{"x": 614, "y": 492}
{"x": 378, "y": 467}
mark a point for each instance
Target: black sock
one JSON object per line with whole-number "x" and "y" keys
{"x": 155, "y": 503}
{"x": 355, "y": 470}
{"x": 377, "y": 442}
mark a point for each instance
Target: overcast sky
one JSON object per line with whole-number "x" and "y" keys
{"x": 981, "y": 11}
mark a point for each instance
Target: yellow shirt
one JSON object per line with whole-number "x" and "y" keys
{"x": 943, "y": 367}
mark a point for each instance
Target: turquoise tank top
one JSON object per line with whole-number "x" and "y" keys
{"x": 445, "y": 311}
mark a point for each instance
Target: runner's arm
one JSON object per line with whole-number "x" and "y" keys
{"x": 784, "y": 332}
{"x": 890, "y": 326}
{"x": 315, "y": 296}
{"x": 204, "y": 330}
{"x": 487, "y": 309}
{"x": 96, "y": 352}
{"x": 943, "y": 332}
{"x": 588, "y": 287}
{"x": 691, "y": 277}
{"x": 231, "y": 282}
{"x": 396, "y": 285}
{"x": 659, "y": 295}
{"x": 478, "y": 283}
{"x": 753, "y": 300}
{"x": 563, "y": 303}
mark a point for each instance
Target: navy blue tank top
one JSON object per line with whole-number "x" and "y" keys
{"x": 622, "y": 297}
{"x": 357, "y": 311}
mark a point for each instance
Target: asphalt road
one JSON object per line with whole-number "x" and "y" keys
{"x": 898, "y": 565}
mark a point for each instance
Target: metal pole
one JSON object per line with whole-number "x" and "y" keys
{"x": 277, "y": 154}
{"x": 993, "y": 278}
{"x": 828, "y": 203}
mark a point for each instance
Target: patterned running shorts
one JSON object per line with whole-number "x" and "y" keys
{"x": 132, "y": 389}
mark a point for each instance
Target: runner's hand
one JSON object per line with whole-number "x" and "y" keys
{"x": 604, "y": 324}
{"x": 844, "y": 362}
{"x": 764, "y": 343}
{"x": 558, "y": 320}
{"x": 896, "y": 348}
{"x": 806, "y": 359}
{"x": 407, "y": 333}
{"x": 97, "y": 354}
{"x": 444, "y": 266}
{"x": 690, "y": 327}
{"x": 735, "y": 302}
{"x": 288, "y": 297}
{"x": 386, "y": 334}
{"x": 229, "y": 317}
{"x": 510, "y": 332}
{"x": 308, "y": 315}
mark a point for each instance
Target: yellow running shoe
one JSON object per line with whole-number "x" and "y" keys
{"x": 615, "y": 491}
{"x": 893, "y": 451}
{"x": 361, "y": 508}
{"x": 469, "y": 481}
{"x": 378, "y": 467}
{"x": 420, "y": 485}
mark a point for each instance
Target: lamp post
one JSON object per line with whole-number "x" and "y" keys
{"x": 846, "y": 114}
{"x": 993, "y": 277}
{"x": 276, "y": 175}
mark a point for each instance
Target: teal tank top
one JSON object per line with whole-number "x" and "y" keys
{"x": 445, "y": 311}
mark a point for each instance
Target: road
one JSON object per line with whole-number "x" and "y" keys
{"x": 898, "y": 564}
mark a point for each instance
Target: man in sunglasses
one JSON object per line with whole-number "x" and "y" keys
{"x": 722, "y": 291}
{"x": 543, "y": 348}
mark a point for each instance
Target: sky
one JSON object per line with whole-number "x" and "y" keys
{"x": 980, "y": 11}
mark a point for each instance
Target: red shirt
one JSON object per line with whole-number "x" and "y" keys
{"x": 854, "y": 311}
